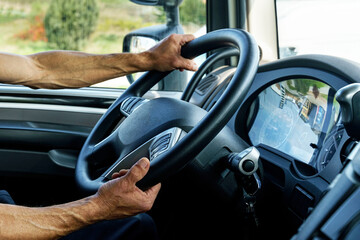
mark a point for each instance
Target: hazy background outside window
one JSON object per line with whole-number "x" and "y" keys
{"x": 23, "y": 31}
{"x": 319, "y": 26}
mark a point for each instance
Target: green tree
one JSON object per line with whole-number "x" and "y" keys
{"x": 305, "y": 85}
{"x": 69, "y": 23}
{"x": 193, "y": 11}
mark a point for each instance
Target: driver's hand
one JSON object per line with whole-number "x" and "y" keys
{"x": 166, "y": 55}
{"x": 120, "y": 197}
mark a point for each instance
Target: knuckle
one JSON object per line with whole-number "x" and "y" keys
{"x": 130, "y": 175}
{"x": 135, "y": 173}
{"x": 147, "y": 206}
{"x": 121, "y": 184}
{"x": 173, "y": 37}
{"x": 176, "y": 63}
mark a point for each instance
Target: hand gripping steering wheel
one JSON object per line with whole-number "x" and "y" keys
{"x": 169, "y": 132}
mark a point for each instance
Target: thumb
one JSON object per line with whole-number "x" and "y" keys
{"x": 138, "y": 170}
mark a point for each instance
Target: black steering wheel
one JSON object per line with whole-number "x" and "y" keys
{"x": 169, "y": 132}
{"x": 203, "y": 69}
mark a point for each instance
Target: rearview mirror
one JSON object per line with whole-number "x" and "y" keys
{"x": 170, "y": 3}
{"x": 146, "y": 2}
{"x": 140, "y": 43}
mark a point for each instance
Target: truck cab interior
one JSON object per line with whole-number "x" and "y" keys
{"x": 260, "y": 142}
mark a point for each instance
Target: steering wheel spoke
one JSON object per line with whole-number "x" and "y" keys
{"x": 130, "y": 104}
{"x": 107, "y": 148}
{"x": 151, "y": 149}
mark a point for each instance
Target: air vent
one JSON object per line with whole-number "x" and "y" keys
{"x": 130, "y": 104}
{"x": 206, "y": 83}
{"x": 159, "y": 146}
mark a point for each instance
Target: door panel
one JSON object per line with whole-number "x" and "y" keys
{"x": 41, "y": 135}
{"x": 53, "y": 114}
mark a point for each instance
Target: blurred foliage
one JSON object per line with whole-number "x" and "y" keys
{"x": 37, "y": 8}
{"x": 108, "y": 24}
{"x": 306, "y": 85}
{"x": 160, "y": 14}
{"x": 115, "y": 1}
{"x": 193, "y": 11}
{"x": 36, "y": 31}
{"x": 69, "y": 23}
{"x": 23, "y": 29}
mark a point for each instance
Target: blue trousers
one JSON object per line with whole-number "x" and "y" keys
{"x": 138, "y": 227}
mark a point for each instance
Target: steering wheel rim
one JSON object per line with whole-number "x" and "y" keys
{"x": 201, "y": 134}
{"x": 211, "y": 60}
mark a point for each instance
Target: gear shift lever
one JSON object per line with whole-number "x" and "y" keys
{"x": 349, "y": 99}
{"x": 245, "y": 164}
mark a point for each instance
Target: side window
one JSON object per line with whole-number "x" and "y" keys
{"x": 297, "y": 116}
{"x": 317, "y": 26}
{"x": 93, "y": 26}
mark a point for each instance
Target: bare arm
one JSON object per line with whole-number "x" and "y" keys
{"x": 118, "y": 198}
{"x": 69, "y": 69}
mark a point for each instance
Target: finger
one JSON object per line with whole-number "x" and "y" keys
{"x": 115, "y": 175}
{"x": 121, "y": 173}
{"x": 138, "y": 170}
{"x": 187, "y": 64}
{"x": 186, "y": 38}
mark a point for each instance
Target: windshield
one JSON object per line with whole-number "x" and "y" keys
{"x": 319, "y": 26}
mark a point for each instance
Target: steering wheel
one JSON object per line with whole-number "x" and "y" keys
{"x": 210, "y": 61}
{"x": 169, "y": 132}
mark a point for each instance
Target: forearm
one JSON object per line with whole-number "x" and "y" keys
{"x": 67, "y": 69}
{"x": 117, "y": 198}
{"x": 18, "y": 222}
{"x": 64, "y": 69}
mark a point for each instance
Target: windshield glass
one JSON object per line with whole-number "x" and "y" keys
{"x": 319, "y": 26}
{"x": 296, "y": 116}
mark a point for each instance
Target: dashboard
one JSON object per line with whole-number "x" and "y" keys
{"x": 291, "y": 115}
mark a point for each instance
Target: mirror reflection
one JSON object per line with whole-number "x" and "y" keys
{"x": 139, "y": 44}
{"x": 295, "y": 116}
